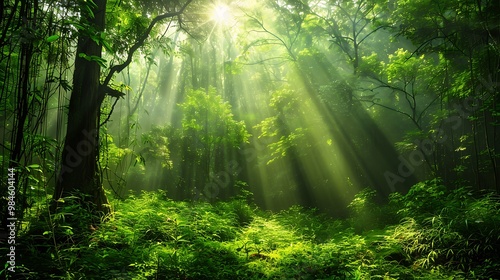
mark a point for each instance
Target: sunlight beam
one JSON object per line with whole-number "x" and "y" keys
{"x": 221, "y": 14}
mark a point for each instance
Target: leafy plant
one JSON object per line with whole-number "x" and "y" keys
{"x": 456, "y": 229}
{"x": 365, "y": 214}
{"x": 151, "y": 236}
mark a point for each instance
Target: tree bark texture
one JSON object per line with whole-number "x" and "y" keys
{"x": 79, "y": 163}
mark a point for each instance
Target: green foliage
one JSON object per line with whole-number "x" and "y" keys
{"x": 362, "y": 201}
{"x": 412, "y": 75}
{"x": 457, "y": 229}
{"x": 309, "y": 223}
{"x": 206, "y": 113}
{"x": 150, "y": 236}
{"x": 113, "y": 154}
{"x": 99, "y": 60}
{"x": 365, "y": 214}
{"x": 156, "y": 145}
{"x": 423, "y": 199}
{"x": 52, "y": 38}
{"x": 441, "y": 233}
{"x": 54, "y": 239}
{"x": 285, "y": 126}
{"x": 209, "y": 125}
{"x": 239, "y": 210}
{"x": 408, "y": 144}
{"x": 370, "y": 65}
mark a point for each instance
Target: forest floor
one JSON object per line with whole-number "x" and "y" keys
{"x": 429, "y": 233}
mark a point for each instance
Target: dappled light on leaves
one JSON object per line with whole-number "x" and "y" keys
{"x": 238, "y": 139}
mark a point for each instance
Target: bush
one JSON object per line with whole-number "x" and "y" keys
{"x": 153, "y": 237}
{"x": 457, "y": 229}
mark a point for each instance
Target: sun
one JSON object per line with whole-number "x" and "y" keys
{"x": 221, "y": 14}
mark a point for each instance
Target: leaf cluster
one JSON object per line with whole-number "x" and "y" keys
{"x": 442, "y": 235}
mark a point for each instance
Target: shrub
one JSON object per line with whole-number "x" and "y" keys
{"x": 457, "y": 229}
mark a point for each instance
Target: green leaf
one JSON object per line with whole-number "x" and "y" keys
{"x": 107, "y": 46}
{"x": 101, "y": 61}
{"x": 52, "y": 38}
{"x": 105, "y": 43}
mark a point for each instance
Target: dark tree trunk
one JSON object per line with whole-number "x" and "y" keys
{"x": 79, "y": 163}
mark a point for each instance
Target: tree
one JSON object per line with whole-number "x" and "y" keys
{"x": 31, "y": 35}
{"x": 469, "y": 107}
{"x": 349, "y": 24}
{"x": 416, "y": 82}
{"x": 287, "y": 129}
{"x": 79, "y": 170}
{"x": 209, "y": 133}
{"x": 294, "y": 40}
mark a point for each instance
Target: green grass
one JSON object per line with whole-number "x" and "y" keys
{"x": 150, "y": 236}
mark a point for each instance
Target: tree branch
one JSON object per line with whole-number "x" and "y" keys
{"x": 110, "y": 112}
{"x": 139, "y": 43}
{"x": 111, "y": 92}
{"x": 288, "y": 48}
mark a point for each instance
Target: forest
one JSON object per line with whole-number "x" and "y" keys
{"x": 239, "y": 139}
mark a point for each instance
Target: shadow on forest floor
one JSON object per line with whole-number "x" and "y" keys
{"x": 429, "y": 233}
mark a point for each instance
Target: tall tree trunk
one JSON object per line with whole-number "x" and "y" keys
{"x": 79, "y": 163}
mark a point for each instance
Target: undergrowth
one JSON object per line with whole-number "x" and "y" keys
{"x": 429, "y": 233}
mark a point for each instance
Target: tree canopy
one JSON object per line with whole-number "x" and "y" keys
{"x": 296, "y": 102}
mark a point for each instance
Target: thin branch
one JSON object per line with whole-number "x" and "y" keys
{"x": 5, "y": 147}
{"x": 110, "y": 112}
{"x": 141, "y": 92}
{"x": 427, "y": 107}
{"x": 261, "y": 24}
{"x": 371, "y": 32}
{"x": 384, "y": 106}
